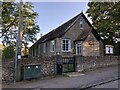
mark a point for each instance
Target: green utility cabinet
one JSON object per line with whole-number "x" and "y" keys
{"x": 31, "y": 71}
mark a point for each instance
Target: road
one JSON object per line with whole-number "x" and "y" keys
{"x": 112, "y": 84}
{"x": 89, "y": 79}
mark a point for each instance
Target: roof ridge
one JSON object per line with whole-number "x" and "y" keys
{"x": 73, "y": 22}
{"x": 58, "y": 30}
{"x": 63, "y": 24}
{"x": 63, "y": 28}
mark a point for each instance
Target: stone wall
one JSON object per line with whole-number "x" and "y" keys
{"x": 47, "y": 65}
{"x": 8, "y": 71}
{"x": 92, "y": 62}
{"x": 91, "y": 50}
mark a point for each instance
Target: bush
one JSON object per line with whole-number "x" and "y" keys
{"x": 8, "y": 52}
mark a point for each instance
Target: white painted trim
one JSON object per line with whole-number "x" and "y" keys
{"x": 81, "y": 20}
{"x": 73, "y": 23}
{"x": 44, "y": 47}
{"x": 69, "y": 45}
{"x": 51, "y": 46}
{"x": 76, "y": 48}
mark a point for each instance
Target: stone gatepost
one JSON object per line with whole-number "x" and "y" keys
{"x": 58, "y": 64}
{"x": 79, "y": 63}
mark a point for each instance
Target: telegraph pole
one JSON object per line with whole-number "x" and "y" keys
{"x": 19, "y": 44}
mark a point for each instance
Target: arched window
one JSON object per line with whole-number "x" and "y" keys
{"x": 81, "y": 23}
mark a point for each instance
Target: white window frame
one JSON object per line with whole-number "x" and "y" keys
{"x": 44, "y": 47}
{"x": 69, "y": 45}
{"x": 39, "y": 49}
{"x": 81, "y": 23}
{"x": 79, "y": 48}
{"x": 109, "y": 49}
{"x": 52, "y": 46}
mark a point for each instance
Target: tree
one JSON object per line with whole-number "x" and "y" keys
{"x": 8, "y": 52}
{"x": 10, "y": 19}
{"x": 106, "y": 19}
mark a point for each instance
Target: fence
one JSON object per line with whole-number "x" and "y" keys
{"x": 68, "y": 64}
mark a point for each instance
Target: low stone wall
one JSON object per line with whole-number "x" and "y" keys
{"x": 47, "y": 65}
{"x": 92, "y": 62}
{"x": 8, "y": 71}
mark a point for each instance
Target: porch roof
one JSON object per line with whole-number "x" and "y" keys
{"x": 85, "y": 33}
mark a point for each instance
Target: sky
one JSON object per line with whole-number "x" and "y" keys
{"x": 53, "y": 14}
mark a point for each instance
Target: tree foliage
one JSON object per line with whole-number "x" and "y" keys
{"x": 8, "y": 52}
{"x": 106, "y": 19}
{"x": 10, "y": 21}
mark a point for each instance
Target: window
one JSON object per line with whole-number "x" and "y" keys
{"x": 39, "y": 49}
{"x": 52, "y": 46}
{"x": 44, "y": 47}
{"x": 66, "y": 45}
{"x": 81, "y": 23}
{"x": 78, "y": 49}
{"x": 109, "y": 49}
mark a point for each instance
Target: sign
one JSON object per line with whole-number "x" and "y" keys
{"x": 19, "y": 56}
{"x": 109, "y": 49}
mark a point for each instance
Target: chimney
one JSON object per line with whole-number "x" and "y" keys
{"x": 41, "y": 34}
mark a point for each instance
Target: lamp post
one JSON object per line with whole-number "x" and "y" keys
{"x": 19, "y": 43}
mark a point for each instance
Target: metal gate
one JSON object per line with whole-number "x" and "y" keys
{"x": 68, "y": 64}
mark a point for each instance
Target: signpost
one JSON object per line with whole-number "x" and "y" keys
{"x": 19, "y": 44}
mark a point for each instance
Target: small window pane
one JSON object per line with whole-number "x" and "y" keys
{"x": 81, "y": 23}
{"x": 66, "y": 45}
{"x": 63, "y": 41}
{"x": 66, "y": 41}
{"x": 78, "y": 49}
{"x": 52, "y": 46}
{"x": 44, "y": 47}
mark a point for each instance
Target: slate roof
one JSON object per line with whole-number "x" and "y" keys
{"x": 85, "y": 33}
{"x": 61, "y": 30}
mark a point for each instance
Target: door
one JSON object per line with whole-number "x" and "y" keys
{"x": 59, "y": 68}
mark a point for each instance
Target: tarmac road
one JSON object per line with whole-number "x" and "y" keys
{"x": 113, "y": 84}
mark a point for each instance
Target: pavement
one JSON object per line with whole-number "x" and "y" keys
{"x": 73, "y": 74}
{"x": 75, "y": 81}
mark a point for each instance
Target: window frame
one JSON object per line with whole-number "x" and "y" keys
{"x": 81, "y": 23}
{"x": 109, "y": 49}
{"x": 44, "y": 47}
{"x": 52, "y": 45}
{"x": 80, "y": 47}
{"x": 39, "y": 49}
{"x": 69, "y": 45}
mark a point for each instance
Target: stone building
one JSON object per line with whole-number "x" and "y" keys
{"x": 74, "y": 37}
